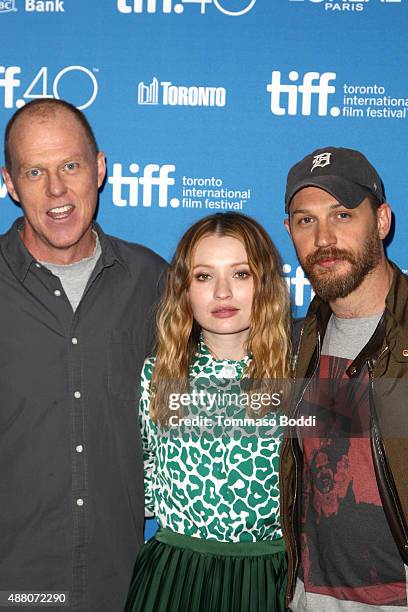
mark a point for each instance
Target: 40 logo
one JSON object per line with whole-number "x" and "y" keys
{"x": 75, "y": 83}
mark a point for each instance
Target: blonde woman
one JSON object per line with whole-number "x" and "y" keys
{"x": 214, "y": 489}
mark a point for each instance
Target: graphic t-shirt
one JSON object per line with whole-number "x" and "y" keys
{"x": 349, "y": 560}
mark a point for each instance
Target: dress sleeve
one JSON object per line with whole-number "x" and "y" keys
{"x": 149, "y": 437}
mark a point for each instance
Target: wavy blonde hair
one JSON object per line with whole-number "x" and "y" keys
{"x": 178, "y": 333}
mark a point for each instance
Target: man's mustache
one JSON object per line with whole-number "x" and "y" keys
{"x": 330, "y": 253}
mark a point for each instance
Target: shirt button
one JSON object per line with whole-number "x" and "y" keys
{"x": 74, "y": 340}
{"x": 80, "y": 502}
{"x": 404, "y": 352}
{"x": 77, "y": 394}
{"x": 57, "y": 292}
{"x": 79, "y": 448}
{"x": 228, "y": 371}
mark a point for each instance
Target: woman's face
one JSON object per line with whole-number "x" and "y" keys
{"x": 222, "y": 287}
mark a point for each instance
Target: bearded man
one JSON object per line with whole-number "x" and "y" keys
{"x": 351, "y": 364}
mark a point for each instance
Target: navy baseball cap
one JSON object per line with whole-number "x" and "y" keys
{"x": 344, "y": 173}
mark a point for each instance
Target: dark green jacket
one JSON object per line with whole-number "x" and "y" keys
{"x": 386, "y": 356}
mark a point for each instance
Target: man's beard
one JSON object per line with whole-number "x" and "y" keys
{"x": 331, "y": 284}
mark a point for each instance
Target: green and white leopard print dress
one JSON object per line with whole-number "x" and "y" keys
{"x": 217, "y": 486}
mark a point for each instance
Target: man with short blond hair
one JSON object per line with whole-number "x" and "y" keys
{"x": 75, "y": 326}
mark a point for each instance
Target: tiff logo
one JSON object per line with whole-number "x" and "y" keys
{"x": 125, "y": 7}
{"x": 8, "y": 82}
{"x": 148, "y": 94}
{"x": 143, "y": 186}
{"x": 297, "y": 284}
{"x": 313, "y": 85}
{"x": 43, "y": 85}
{"x": 227, "y": 7}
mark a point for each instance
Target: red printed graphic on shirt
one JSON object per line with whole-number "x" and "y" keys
{"x": 348, "y": 551}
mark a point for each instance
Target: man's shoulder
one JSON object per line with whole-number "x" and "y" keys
{"x": 11, "y": 232}
{"x": 404, "y": 277}
{"x": 397, "y": 298}
{"x": 134, "y": 253}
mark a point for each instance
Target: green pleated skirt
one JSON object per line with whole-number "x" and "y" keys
{"x": 177, "y": 573}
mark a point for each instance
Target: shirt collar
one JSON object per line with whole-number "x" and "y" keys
{"x": 110, "y": 252}
{"x": 20, "y": 259}
{"x": 202, "y": 349}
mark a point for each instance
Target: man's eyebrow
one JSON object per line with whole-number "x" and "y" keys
{"x": 73, "y": 157}
{"x": 305, "y": 211}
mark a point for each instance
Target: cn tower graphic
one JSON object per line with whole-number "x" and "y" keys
{"x": 148, "y": 94}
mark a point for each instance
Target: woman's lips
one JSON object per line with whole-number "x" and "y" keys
{"x": 224, "y": 313}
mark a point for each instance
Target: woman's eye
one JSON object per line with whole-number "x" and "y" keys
{"x": 202, "y": 276}
{"x": 242, "y": 274}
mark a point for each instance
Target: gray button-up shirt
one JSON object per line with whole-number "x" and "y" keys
{"x": 71, "y": 472}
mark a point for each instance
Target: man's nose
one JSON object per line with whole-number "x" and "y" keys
{"x": 325, "y": 235}
{"x": 56, "y": 186}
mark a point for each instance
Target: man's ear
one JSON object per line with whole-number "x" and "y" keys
{"x": 286, "y": 223}
{"x": 9, "y": 184}
{"x": 384, "y": 219}
{"x": 101, "y": 167}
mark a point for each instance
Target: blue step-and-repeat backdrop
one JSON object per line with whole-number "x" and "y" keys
{"x": 203, "y": 105}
